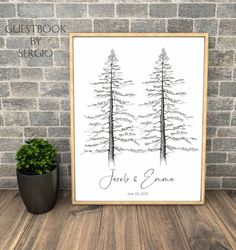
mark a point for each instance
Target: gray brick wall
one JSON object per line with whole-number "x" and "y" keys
{"x": 34, "y": 93}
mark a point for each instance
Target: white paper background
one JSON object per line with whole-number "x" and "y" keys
{"x": 136, "y": 58}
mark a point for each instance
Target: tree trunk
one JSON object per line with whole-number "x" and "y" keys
{"x": 111, "y": 126}
{"x": 162, "y": 122}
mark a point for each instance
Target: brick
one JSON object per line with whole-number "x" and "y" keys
{"x": 47, "y": 31}
{"x": 219, "y": 74}
{"x": 17, "y": 22}
{"x": 10, "y": 132}
{"x": 48, "y": 43}
{"x": 132, "y": 10}
{"x": 233, "y": 119}
{"x": 101, "y": 10}
{"x": 3, "y": 25}
{"x": 216, "y": 157}
{"x": 211, "y": 131}
{"x": 213, "y": 183}
{"x": 111, "y": 25}
{"x": 218, "y": 118}
{"x": 35, "y": 10}
{"x": 217, "y": 103}
{"x": 69, "y": 170}
{"x": 226, "y": 10}
{"x": 163, "y": 10}
{"x": 1, "y": 120}
{"x": 9, "y": 144}
{"x": 71, "y": 10}
{"x": 2, "y": 42}
{"x": 9, "y": 58}
{"x": 32, "y": 74}
{"x": 75, "y": 25}
{"x": 221, "y": 170}
{"x": 62, "y": 145}
{"x": 63, "y": 171}
{"x": 38, "y": 61}
{"x": 44, "y": 119}
{"x": 35, "y": 132}
{"x": 65, "y": 118}
{"x": 57, "y": 74}
{"x": 4, "y": 90}
{"x": 213, "y": 88}
{"x": 228, "y": 89}
{"x": 227, "y": 27}
{"x": 24, "y": 89}
{"x": 227, "y": 132}
{"x": 9, "y": 74}
{"x": 65, "y": 105}
{"x": 65, "y": 183}
{"x": 232, "y": 158}
{"x": 62, "y": 58}
{"x": 8, "y": 183}
{"x": 226, "y": 42}
{"x": 66, "y": 158}
{"x": 8, "y": 170}
{"x": 229, "y": 183}
{"x": 196, "y": 10}
{"x": 48, "y": 104}
{"x": 64, "y": 43}
{"x": 59, "y": 132}
{"x": 212, "y": 43}
{"x": 7, "y": 10}
{"x": 234, "y": 78}
{"x": 18, "y": 43}
{"x": 206, "y": 25}
{"x": 54, "y": 89}
{"x": 221, "y": 58}
{"x": 180, "y": 25}
{"x": 16, "y": 118}
{"x": 58, "y": 160}
{"x": 19, "y": 104}
{"x": 140, "y": 25}
{"x": 8, "y": 157}
{"x": 224, "y": 144}
{"x": 208, "y": 144}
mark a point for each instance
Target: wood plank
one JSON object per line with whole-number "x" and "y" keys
{"x": 201, "y": 230}
{"x": 119, "y": 228}
{"x": 5, "y": 197}
{"x": 81, "y": 229}
{"x": 13, "y": 222}
{"x": 223, "y": 210}
{"x": 212, "y": 226}
{"x": 160, "y": 229}
{"x": 232, "y": 195}
{"x": 44, "y": 230}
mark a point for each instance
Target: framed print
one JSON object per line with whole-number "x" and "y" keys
{"x": 138, "y": 117}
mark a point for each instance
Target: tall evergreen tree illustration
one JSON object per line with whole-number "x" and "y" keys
{"x": 111, "y": 128}
{"x": 164, "y": 127}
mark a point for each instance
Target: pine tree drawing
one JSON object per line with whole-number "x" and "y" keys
{"x": 111, "y": 128}
{"x": 164, "y": 125}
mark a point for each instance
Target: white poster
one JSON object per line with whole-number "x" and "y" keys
{"x": 138, "y": 118}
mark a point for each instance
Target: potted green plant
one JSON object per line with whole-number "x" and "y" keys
{"x": 37, "y": 175}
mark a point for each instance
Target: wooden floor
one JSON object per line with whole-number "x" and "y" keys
{"x": 212, "y": 226}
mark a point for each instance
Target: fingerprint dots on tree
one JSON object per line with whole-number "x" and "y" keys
{"x": 111, "y": 128}
{"x": 163, "y": 127}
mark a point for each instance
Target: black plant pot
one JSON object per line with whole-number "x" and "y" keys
{"x": 39, "y": 192}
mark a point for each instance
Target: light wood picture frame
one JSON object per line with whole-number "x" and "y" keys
{"x": 138, "y": 118}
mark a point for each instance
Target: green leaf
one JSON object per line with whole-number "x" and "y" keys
{"x": 36, "y": 156}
